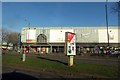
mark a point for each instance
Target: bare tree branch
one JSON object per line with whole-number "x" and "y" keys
{"x": 116, "y": 7}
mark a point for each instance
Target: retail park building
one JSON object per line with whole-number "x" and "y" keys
{"x": 52, "y": 39}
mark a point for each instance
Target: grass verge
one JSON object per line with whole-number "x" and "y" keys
{"x": 37, "y": 63}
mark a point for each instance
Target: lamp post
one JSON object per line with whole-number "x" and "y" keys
{"x": 27, "y": 22}
{"x": 107, "y": 21}
{"x": 28, "y": 33}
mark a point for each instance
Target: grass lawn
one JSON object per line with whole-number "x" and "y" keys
{"x": 41, "y": 63}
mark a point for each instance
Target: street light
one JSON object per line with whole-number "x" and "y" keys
{"x": 107, "y": 21}
{"x": 27, "y": 22}
{"x": 28, "y": 33}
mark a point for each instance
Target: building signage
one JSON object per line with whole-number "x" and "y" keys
{"x": 113, "y": 35}
{"x": 31, "y": 35}
{"x": 70, "y": 43}
{"x": 58, "y": 35}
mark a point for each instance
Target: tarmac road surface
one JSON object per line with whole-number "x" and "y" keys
{"x": 10, "y": 73}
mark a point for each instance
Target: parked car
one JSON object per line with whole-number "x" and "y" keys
{"x": 115, "y": 53}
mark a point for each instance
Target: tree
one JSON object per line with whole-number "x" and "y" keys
{"x": 9, "y": 37}
{"x": 13, "y": 38}
{"x": 0, "y": 35}
{"x": 4, "y": 35}
{"x": 116, "y": 7}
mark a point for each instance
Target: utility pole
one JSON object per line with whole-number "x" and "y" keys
{"x": 107, "y": 21}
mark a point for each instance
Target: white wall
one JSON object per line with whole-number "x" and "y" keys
{"x": 58, "y": 35}
{"x": 113, "y": 35}
{"x": 31, "y": 35}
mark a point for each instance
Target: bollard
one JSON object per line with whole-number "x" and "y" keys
{"x": 71, "y": 60}
{"x": 24, "y": 55}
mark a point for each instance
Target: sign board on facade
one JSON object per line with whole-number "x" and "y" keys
{"x": 58, "y": 35}
{"x": 70, "y": 43}
{"x": 113, "y": 35}
{"x": 31, "y": 36}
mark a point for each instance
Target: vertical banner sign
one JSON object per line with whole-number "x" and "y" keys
{"x": 70, "y": 43}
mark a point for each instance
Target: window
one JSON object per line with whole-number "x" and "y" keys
{"x": 42, "y": 38}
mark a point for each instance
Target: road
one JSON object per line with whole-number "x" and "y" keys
{"x": 91, "y": 59}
